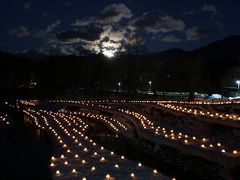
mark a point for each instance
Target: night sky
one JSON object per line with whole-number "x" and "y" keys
{"x": 78, "y": 26}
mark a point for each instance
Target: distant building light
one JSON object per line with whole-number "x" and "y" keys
{"x": 216, "y": 96}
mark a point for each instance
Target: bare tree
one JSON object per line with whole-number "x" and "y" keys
{"x": 136, "y": 44}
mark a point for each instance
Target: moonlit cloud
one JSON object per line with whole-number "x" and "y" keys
{"x": 171, "y": 39}
{"x": 117, "y": 35}
{"x": 86, "y": 33}
{"x": 111, "y": 30}
{"x": 195, "y": 33}
{"x": 27, "y": 5}
{"x": 48, "y": 33}
{"x": 52, "y": 26}
{"x": 83, "y": 22}
{"x": 115, "y": 13}
{"x": 20, "y": 31}
{"x": 114, "y": 36}
{"x": 111, "y": 14}
{"x": 157, "y": 22}
{"x": 108, "y": 39}
{"x": 209, "y": 8}
{"x": 111, "y": 36}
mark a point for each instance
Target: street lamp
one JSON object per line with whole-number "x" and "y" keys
{"x": 119, "y": 87}
{"x": 150, "y": 85}
{"x": 238, "y": 83}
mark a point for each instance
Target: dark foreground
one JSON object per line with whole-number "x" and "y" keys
{"x": 25, "y": 152}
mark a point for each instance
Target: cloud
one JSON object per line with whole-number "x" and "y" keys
{"x": 86, "y": 33}
{"x": 93, "y": 38}
{"x": 20, "y": 31}
{"x": 52, "y": 26}
{"x": 171, "y": 39}
{"x": 42, "y": 33}
{"x": 27, "y": 5}
{"x": 157, "y": 22}
{"x": 111, "y": 14}
{"x": 113, "y": 33}
{"x": 115, "y": 13}
{"x": 211, "y": 9}
{"x": 84, "y": 22}
{"x": 195, "y": 33}
{"x": 112, "y": 20}
{"x": 44, "y": 15}
{"x": 67, "y": 4}
{"x": 48, "y": 33}
{"x": 110, "y": 30}
{"x": 107, "y": 30}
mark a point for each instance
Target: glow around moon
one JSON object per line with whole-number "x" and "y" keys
{"x": 109, "y": 49}
{"x": 109, "y": 53}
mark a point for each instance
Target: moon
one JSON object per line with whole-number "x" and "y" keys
{"x": 108, "y": 53}
{"x": 110, "y": 48}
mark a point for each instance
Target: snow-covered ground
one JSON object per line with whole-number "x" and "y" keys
{"x": 77, "y": 156}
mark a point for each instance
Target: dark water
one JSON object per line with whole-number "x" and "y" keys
{"x": 25, "y": 152}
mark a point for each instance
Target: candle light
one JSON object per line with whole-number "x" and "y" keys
{"x": 58, "y": 173}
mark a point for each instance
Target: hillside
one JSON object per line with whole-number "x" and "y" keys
{"x": 173, "y": 70}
